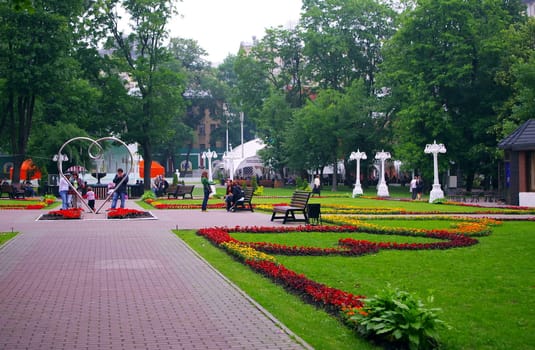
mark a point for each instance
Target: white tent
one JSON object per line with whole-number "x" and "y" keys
{"x": 243, "y": 156}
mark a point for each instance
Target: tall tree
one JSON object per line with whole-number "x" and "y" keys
{"x": 281, "y": 53}
{"x": 142, "y": 55}
{"x": 343, "y": 40}
{"x": 35, "y": 45}
{"x": 441, "y": 69}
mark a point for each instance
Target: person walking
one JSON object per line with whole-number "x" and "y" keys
{"x": 419, "y": 187}
{"x": 207, "y": 189}
{"x": 64, "y": 190}
{"x": 90, "y": 195}
{"x": 317, "y": 186}
{"x": 120, "y": 188}
{"x": 412, "y": 187}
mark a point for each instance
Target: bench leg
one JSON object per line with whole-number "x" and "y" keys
{"x": 273, "y": 216}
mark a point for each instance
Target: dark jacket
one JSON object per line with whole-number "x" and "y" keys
{"x": 117, "y": 180}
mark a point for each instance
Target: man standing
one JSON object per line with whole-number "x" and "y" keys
{"x": 120, "y": 188}
{"x": 64, "y": 190}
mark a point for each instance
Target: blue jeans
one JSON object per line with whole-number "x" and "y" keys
{"x": 64, "y": 199}
{"x": 205, "y": 199}
{"x": 115, "y": 197}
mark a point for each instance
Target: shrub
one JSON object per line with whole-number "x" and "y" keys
{"x": 302, "y": 184}
{"x": 148, "y": 195}
{"x": 398, "y": 318}
{"x": 259, "y": 191}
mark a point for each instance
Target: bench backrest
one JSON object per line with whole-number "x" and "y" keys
{"x": 300, "y": 199}
{"x": 248, "y": 194}
{"x": 185, "y": 188}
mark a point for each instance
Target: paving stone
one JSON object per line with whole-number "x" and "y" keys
{"x": 100, "y": 284}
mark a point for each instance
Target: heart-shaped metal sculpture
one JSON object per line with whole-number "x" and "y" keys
{"x": 95, "y": 155}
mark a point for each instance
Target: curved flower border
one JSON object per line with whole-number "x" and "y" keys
{"x": 257, "y": 256}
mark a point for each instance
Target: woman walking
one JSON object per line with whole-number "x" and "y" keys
{"x": 207, "y": 189}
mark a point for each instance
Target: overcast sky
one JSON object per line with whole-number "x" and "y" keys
{"x": 219, "y": 26}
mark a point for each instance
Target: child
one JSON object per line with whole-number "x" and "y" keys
{"x": 90, "y": 198}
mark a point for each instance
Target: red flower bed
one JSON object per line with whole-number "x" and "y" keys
{"x": 160, "y": 205}
{"x": 63, "y": 214}
{"x": 334, "y": 299}
{"x": 123, "y": 213}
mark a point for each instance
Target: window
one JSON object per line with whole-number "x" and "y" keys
{"x": 202, "y": 130}
{"x": 530, "y": 169}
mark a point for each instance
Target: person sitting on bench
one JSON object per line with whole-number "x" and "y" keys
{"x": 237, "y": 195}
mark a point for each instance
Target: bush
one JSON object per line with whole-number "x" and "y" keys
{"x": 254, "y": 183}
{"x": 259, "y": 191}
{"x": 399, "y": 319}
{"x": 302, "y": 184}
{"x": 148, "y": 195}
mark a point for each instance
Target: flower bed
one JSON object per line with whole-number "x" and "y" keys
{"x": 257, "y": 256}
{"x": 63, "y": 214}
{"x": 123, "y": 213}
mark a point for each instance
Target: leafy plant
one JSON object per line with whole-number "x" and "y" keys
{"x": 398, "y": 318}
{"x": 302, "y": 184}
{"x": 259, "y": 191}
{"x": 148, "y": 195}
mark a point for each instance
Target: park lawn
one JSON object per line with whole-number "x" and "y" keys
{"x": 343, "y": 198}
{"x": 485, "y": 291}
{"x": 6, "y": 236}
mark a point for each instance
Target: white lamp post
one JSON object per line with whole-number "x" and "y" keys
{"x": 241, "y": 129}
{"x": 209, "y": 155}
{"x": 228, "y": 157}
{"x": 382, "y": 189}
{"x": 357, "y": 156}
{"x": 435, "y": 149}
{"x": 226, "y": 112}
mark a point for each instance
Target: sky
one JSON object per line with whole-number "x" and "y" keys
{"x": 219, "y": 26}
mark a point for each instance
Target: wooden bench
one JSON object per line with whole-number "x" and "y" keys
{"x": 18, "y": 191}
{"x": 183, "y": 191}
{"x": 244, "y": 204}
{"x": 7, "y": 189}
{"x": 298, "y": 203}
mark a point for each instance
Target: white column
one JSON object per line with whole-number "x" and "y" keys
{"x": 382, "y": 188}
{"x": 241, "y": 129}
{"x": 435, "y": 149}
{"x": 357, "y": 156}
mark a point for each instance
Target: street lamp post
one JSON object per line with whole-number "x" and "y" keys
{"x": 357, "y": 156}
{"x": 226, "y": 113}
{"x": 228, "y": 157}
{"x": 382, "y": 190}
{"x": 209, "y": 155}
{"x": 241, "y": 129}
{"x": 435, "y": 149}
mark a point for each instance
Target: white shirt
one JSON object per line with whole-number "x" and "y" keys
{"x": 63, "y": 184}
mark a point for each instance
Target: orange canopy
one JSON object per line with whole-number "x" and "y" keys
{"x": 155, "y": 169}
{"x": 27, "y": 169}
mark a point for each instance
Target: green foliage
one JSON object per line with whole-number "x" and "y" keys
{"x": 259, "y": 191}
{"x": 148, "y": 195}
{"x": 175, "y": 179}
{"x": 254, "y": 183}
{"x": 398, "y": 318}
{"x": 302, "y": 184}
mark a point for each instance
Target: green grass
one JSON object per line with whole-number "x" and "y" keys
{"x": 6, "y": 236}
{"x": 486, "y": 291}
{"x": 343, "y": 197}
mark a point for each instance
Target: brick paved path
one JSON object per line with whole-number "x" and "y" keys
{"x": 96, "y": 284}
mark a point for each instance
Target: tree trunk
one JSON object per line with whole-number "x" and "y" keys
{"x": 335, "y": 177}
{"x": 21, "y": 126}
{"x": 147, "y": 158}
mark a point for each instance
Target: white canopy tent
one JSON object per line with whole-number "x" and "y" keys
{"x": 243, "y": 156}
